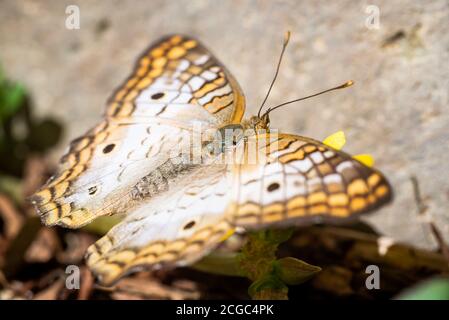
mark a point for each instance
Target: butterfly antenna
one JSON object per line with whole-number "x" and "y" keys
{"x": 284, "y": 45}
{"x": 344, "y": 85}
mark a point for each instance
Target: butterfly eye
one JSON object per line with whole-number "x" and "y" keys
{"x": 92, "y": 190}
{"x": 157, "y": 96}
{"x": 109, "y": 148}
{"x": 273, "y": 186}
{"x": 189, "y": 225}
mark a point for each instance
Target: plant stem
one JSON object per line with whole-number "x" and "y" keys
{"x": 257, "y": 260}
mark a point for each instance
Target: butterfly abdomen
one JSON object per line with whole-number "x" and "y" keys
{"x": 160, "y": 179}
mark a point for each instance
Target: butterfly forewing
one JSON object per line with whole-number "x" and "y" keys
{"x": 175, "y": 72}
{"x": 174, "y": 84}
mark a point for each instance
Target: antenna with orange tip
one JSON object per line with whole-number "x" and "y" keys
{"x": 284, "y": 45}
{"x": 344, "y": 85}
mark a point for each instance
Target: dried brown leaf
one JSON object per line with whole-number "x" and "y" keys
{"x": 43, "y": 247}
{"x": 52, "y": 292}
{"x": 12, "y": 218}
{"x": 87, "y": 283}
{"x": 150, "y": 288}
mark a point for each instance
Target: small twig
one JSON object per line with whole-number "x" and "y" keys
{"x": 422, "y": 210}
{"x": 422, "y": 207}
{"x": 365, "y": 247}
{"x": 442, "y": 244}
{"x": 86, "y": 285}
{"x": 50, "y": 277}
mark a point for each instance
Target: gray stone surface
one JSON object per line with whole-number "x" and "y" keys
{"x": 397, "y": 110}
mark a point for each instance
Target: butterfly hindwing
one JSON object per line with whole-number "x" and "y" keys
{"x": 172, "y": 230}
{"x": 298, "y": 180}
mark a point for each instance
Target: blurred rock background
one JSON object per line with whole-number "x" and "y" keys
{"x": 397, "y": 110}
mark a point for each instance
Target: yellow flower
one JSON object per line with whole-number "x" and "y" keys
{"x": 366, "y": 159}
{"x": 338, "y": 140}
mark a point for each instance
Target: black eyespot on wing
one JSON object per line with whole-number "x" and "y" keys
{"x": 273, "y": 186}
{"x": 189, "y": 225}
{"x": 109, "y": 148}
{"x": 157, "y": 96}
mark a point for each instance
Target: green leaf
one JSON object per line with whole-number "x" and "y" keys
{"x": 102, "y": 225}
{"x": 222, "y": 263}
{"x": 2, "y": 76}
{"x": 434, "y": 289}
{"x": 278, "y": 236}
{"x": 15, "y": 96}
{"x": 11, "y": 99}
{"x": 293, "y": 271}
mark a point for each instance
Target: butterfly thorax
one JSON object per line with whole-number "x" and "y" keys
{"x": 254, "y": 125}
{"x": 228, "y": 136}
{"x": 258, "y": 123}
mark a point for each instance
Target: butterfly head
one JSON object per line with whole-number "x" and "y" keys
{"x": 259, "y": 123}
